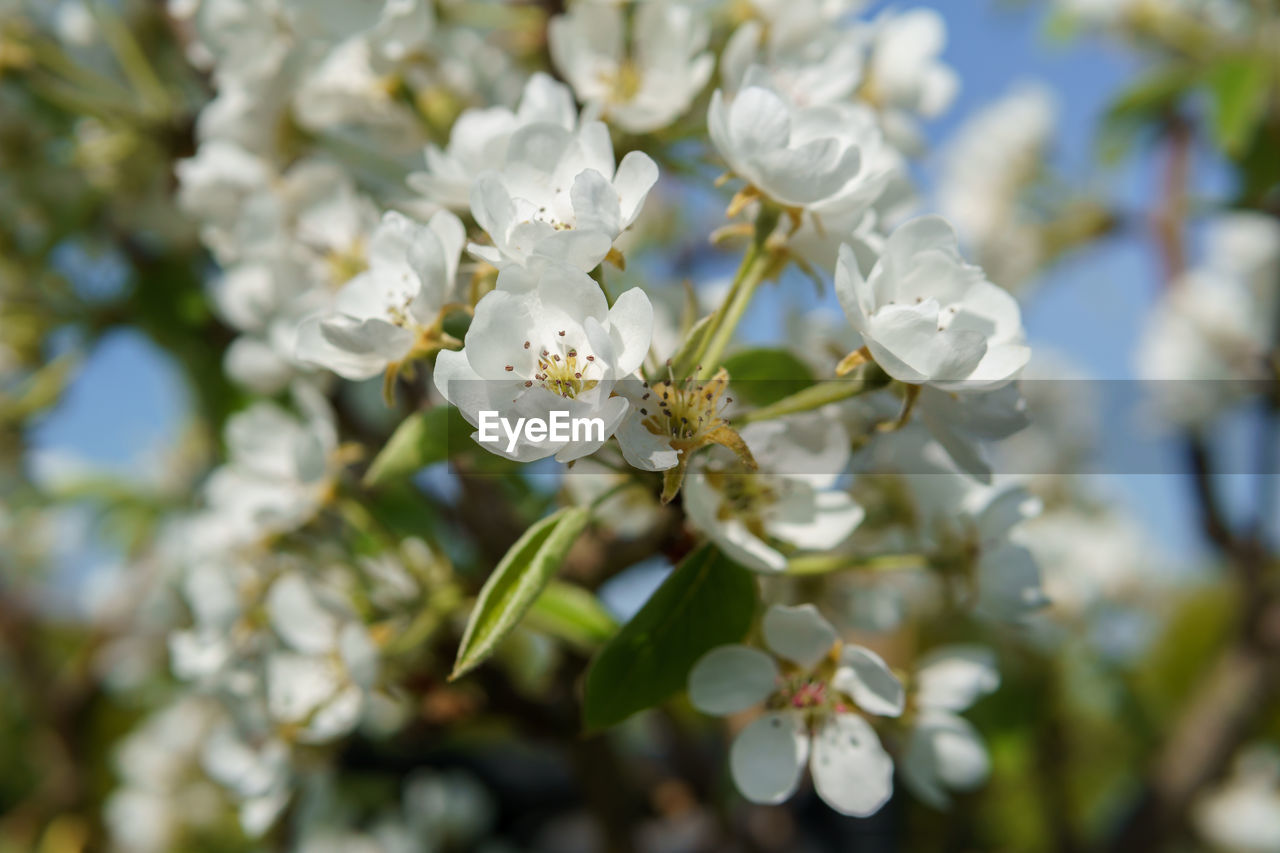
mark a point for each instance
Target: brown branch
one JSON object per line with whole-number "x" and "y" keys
{"x": 1235, "y": 691}
{"x": 1221, "y": 714}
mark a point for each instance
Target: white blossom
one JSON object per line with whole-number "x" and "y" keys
{"x": 927, "y": 317}
{"x": 791, "y": 503}
{"x": 944, "y": 751}
{"x": 547, "y": 342}
{"x": 256, "y": 770}
{"x": 905, "y": 76}
{"x": 987, "y": 168}
{"x": 559, "y": 197}
{"x": 794, "y": 156}
{"x": 383, "y": 314}
{"x": 809, "y": 51}
{"x": 1242, "y": 814}
{"x": 965, "y": 530}
{"x": 319, "y": 681}
{"x": 641, "y": 84}
{"x": 481, "y": 137}
{"x": 280, "y": 469}
{"x": 814, "y": 693}
{"x": 1215, "y": 323}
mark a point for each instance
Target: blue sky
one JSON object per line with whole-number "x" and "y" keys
{"x": 128, "y": 398}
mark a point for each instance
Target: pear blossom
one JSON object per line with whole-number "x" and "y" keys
{"x": 1211, "y": 332}
{"x": 256, "y": 770}
{"x": 1242, "y": 814}
{"x": 280, "y": 469}
{"x": 944, "y": 752}
{"x": 811, "y": 53}
{"x": 320, "y": 679}
{"x": 967, "y": 531}
{"x": 964, "y": 424}
{"x": 791, "y": 503}
{"x": 217, "y": 589}
{"x": 1005, "y": 578}
{"x": 559, "y": 197}
{"x": 794, "y": 156}
{"x": 480, "y": 137}
{"x": 669, "y": 421}
{"x": 988, "y": 166}
{"x": 630, "y": 513}
{"x": 905, "y": 69}
{"x": 813, "y": 693}
{"x": 553, "y": 346}
{"x": 349, "y": 87}
{"x": 162, "y": 792}
{"x": 294, "y": 241}
{"x": 643, "y": 86}
{"x": 214, "y": 186}
{"x": 386, "y": 313}
{"x": 324, "y": 65}
{"x": 905, "y": 77}
{"x": 927, "y": 317}
{"x": 879, "y": 191}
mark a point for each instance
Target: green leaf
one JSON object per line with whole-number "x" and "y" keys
{"x": 706, "y": 602}
{"x": 1238, "y": 85}
{"x": 516, "y": 583}
{"x": 572, "y": 614}
{"x": 1141, "y": 107}
{"x": 423, "y": 439}
{"x": 763, "y": 376}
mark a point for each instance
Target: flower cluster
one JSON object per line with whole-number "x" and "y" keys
{"x": 329, "y": 269}
{"x": 814, "y": 484}
{"x": 401, "y": 191}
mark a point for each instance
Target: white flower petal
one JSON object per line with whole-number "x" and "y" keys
{"x": 702, "y": 503}
{"x": 631, "y": 329}
{"x": 636, "y": 175}
{"x": 732, "y": 678}
{"x": 643, "y": 449}
{"x": 815, "y": 520}
{"x": 1010, "y": 586}
{"x": 852, "y": 289}
{"x": 299, "y": 618}
{"x": 767, "y": 757}
{"x": 944, "y": 753}
{"x": 910, "y": 335}
{"x": 799, "y": 633}
{"x": 595, "y": 203}
{"x": 953, "y": 677}
{"x": 810, "y": 172}
{"x": 865, "y": 676}
{"x": 299, "y": 684}
{"x": 851, "y": 771}
{"x": 759, "y": 122}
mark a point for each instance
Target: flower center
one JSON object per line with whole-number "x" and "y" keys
{"x": 746, "y": 496}
{"x": 684, "y": 412}
{"x": 625, "y": 84}
{"x": 810, "y": 694}
{"x": 346, "y": 263}
{"x": 565, "y": 371}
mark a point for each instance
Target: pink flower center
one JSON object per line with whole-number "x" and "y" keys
{"x": 810, "y": 694}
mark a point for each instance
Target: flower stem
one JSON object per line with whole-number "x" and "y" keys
{"x": 870, "y": 378}
{"x": 817, "y": 564}
{"x": 755, "y": 266}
